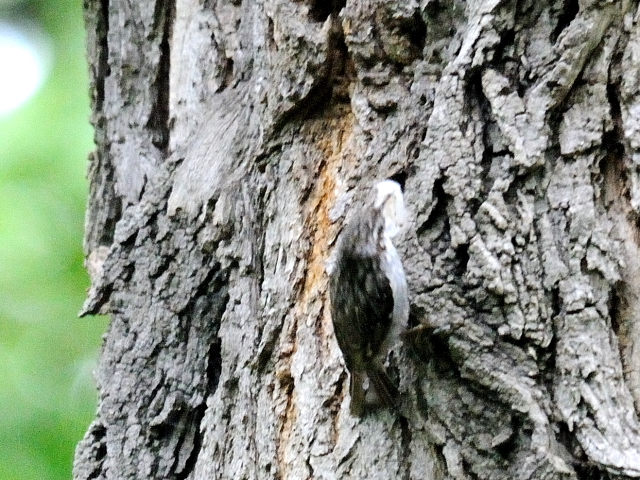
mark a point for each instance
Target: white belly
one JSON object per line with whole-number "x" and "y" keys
{"x": 392, "y": 267}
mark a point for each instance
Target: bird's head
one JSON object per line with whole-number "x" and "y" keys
{"x": 389, "y": 200}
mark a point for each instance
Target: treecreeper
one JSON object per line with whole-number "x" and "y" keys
{"x": 369, "y": 296}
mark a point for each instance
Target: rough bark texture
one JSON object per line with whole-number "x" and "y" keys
{"x": 232, "y": 139}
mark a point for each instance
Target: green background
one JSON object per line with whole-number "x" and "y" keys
{"x": 47, "y": 354}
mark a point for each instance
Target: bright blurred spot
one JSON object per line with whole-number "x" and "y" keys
{"x": 25, "y": 56}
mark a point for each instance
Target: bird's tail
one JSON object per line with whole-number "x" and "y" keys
{"x": 384, "y": 388}
{"x": 385, "y": 393}
{"x": 356, "y": 407}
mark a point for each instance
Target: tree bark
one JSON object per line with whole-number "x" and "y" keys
{"x": 234, "y": 139}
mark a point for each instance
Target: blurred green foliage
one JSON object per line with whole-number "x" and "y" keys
{"x": 47, "y": 354}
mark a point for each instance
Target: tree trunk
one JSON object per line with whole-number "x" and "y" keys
{"x": 234, "y": 138}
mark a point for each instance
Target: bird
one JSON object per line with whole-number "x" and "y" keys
{"x": 369, "y": 295}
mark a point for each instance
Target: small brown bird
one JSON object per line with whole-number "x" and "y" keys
{"x": 369, "y": 296}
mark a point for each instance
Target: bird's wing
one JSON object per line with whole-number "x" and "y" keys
{"x": 362, "y": 304}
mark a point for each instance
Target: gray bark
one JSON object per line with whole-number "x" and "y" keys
{"x": 234, "y": 138}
